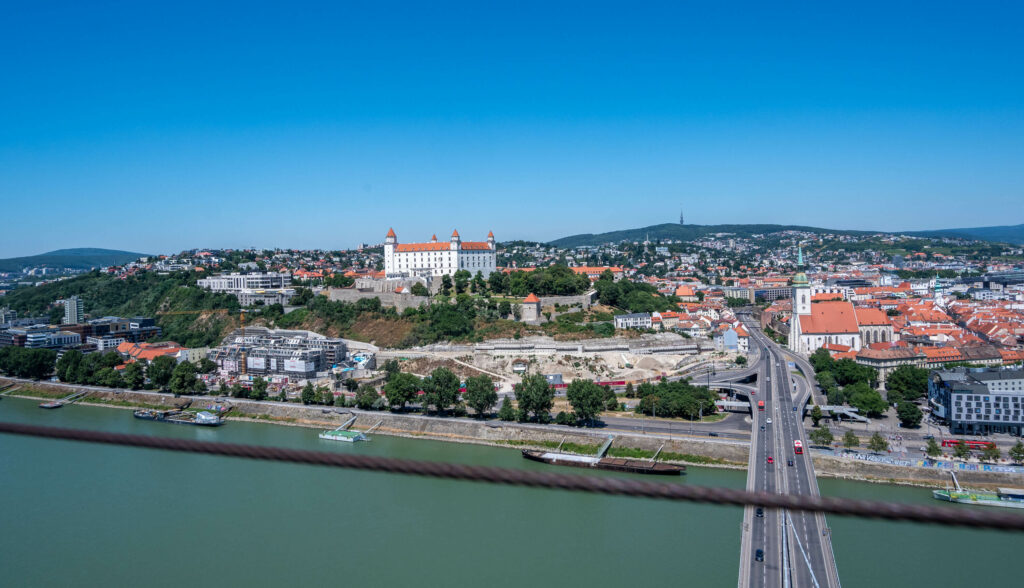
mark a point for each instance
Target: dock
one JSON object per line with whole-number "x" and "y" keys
{"x": 69, "y": 399}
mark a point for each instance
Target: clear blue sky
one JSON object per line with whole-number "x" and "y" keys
{"x": 161, "y": 126}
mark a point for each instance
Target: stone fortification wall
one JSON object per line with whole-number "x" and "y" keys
{"x": 399, "y": 301}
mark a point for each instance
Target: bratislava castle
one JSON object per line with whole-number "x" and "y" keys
{"x": 438, "y": 258}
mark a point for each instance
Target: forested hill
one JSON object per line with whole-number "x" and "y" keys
{"x": 85, "y": 258}
{"x": 685, "y": 233}
{"x": 145, "y": 294}
{"x": 1002, "y": 234}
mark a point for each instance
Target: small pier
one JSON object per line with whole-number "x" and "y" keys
{"x": 69, "y": 399}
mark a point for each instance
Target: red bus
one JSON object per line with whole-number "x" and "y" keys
{"x": 969, "y": 444}
{"x": 798, "y": 447}
{"x": 760, "y": 405}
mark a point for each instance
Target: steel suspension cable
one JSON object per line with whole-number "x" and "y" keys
{"x": 965, "y": 517}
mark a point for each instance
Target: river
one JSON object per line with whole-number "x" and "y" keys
{"x": 90, "y": 515}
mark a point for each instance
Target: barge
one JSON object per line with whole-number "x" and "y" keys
{"x": 180, "y": 417}
{"x": 615, "y": 464}
{"x": 1004, "y": 497}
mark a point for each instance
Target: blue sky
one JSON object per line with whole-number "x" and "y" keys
{"x": 160, "y": 128}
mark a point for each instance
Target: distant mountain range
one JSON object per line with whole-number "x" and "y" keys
{"x": 683, "y": 233}
{"x": 1004, "y": 234}
{"x": 1007, "y": 234}
{"x": 83, "y": 258}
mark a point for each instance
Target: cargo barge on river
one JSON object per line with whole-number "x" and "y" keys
{"x": 1005, "y": 497}
{"x": 616, "y": 464}
{"x": 180, "y": 417}
{"x": 600, "y": 462}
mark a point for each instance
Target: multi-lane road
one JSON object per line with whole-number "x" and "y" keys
{"x": 796, "y": 547}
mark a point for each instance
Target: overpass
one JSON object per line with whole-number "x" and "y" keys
{"x": 797, "y": 548}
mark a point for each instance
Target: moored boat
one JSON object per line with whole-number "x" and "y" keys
{"x": 1004, "y": 497}
{"x": 617, "y": 464}
{"x": 181, "y": 417}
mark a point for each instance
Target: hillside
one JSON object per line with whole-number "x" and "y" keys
{"x": 84, "y": 258}
{"x": 684, "y": 233}
{"x": 1002, "y": 234}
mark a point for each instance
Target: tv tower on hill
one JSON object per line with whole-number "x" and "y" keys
{"x": 681, "y": 216}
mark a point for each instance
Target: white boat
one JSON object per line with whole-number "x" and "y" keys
{"x": 1005, "y": 497}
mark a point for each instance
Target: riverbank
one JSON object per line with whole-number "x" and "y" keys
{"x": 680, "y": 449}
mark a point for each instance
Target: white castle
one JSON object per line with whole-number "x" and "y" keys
{"x": 425, "y": 260}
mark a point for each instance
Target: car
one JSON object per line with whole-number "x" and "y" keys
{"x": 712, "y": 434}
{"x": 929, "y": 436}
{"x": 789, "y": 462}
{"x": 769, "y": 421}
{"x": 923, "y": 448}
{"x": 762, "y": 427}
{"x": 759, "y": 512}
{"x": 759, "y": 555}
{"x": 753, "y": 392}
{"x": 771, "y": 459}
{"x": 794, "y": 409}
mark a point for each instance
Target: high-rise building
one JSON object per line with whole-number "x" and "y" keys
{"x": 74, "y": 312}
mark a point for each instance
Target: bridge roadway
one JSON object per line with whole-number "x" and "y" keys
{"x": 797, "y": 546}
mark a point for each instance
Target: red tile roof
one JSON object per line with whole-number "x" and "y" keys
{"x": 829, "y": 318}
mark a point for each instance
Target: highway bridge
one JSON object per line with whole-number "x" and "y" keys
{"x": 796, "y": 547}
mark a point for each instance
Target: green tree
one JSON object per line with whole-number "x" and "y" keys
{"x": 110, "y": 378}
{"x": 908, "y": 413}
{"x": 961, "y": 450}
{"x": 183, "y": 378}
{"x": 160, "y": 371}
{"x": 850, "y": 440}
{"x": 933, "y": 449}
{"x": 207, "y": 366}
{"x": 419, "y": 289}
{"x": 535, "y": 397}
{"x": 741, "y": 360}
{"x": 630, "y": 392}
{"x": 587, "y": 399}
{"x": 308, "y": 395}
{"x": 391, "y": 368}
{"x": 401, "y": 389}
{"x": 877, "y": 443}
{"x": 907, "y": 382}
{"x": 259, "y": 389}
{"x": 441, "y": 389}
{"x": 366, "y": 397}
{"x": 480, "y": 394}
{"x": 461, "y": 281}
{"x": 822, "y": 436}
{"x": 504, "y": 308}
{"x": 867, "y": 400}
{"x": 1017, "y": 452}
{"x": 325, "y": 395}
{"x": 68, "y": 364}
{"x": 446, "y": 284}
{"x": 816, "y": 415}
{"x": 134, "y": 375}
{"x": 506, "y": 412}
{"x": 991, "y": 453}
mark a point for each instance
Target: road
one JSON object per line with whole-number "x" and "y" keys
{"x": 797, "y": 547}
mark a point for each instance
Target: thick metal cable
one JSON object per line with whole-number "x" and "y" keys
{"x": 966, "y": 517}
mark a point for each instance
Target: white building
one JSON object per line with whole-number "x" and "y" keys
{"x": 636, "y": 320}
{"x": 74, "y": 311}
{"x": 266, "y": 288}
{"x": 236, "y": 281}
{"x": 426, "y": 260}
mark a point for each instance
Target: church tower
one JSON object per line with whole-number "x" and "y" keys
{"x": 801, "y": 302}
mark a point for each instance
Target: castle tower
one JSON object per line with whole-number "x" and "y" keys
{"x": 456, "y": 240}
{"x": 389, "y": 252}
{"x": 490, "y": 239}
{"x": 801, "y": 301}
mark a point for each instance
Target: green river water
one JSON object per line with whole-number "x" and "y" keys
{"x": 87, "y": 515}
